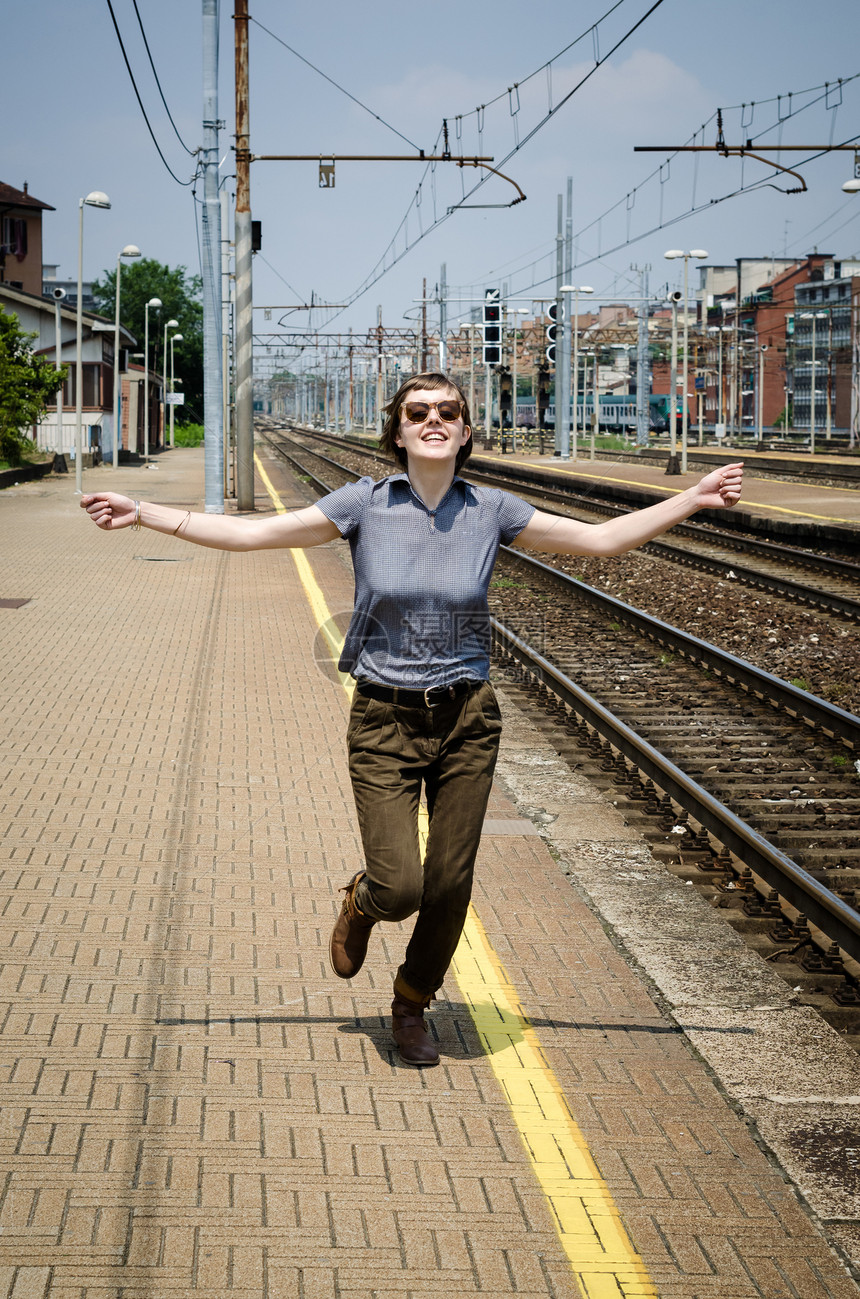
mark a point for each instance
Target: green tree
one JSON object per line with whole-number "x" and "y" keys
{"x": 180, "y": 298}
{"x": 27, "y": 383}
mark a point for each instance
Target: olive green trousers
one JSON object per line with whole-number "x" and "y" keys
{"x": 449, "y": 752}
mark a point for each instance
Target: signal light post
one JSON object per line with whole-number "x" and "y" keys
{"x": 576, "y": 289}
{"x": 505, "y": 397}
{"x": 491, "y": 350}
{"x": 542, "y": 401}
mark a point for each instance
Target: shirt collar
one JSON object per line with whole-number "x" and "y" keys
{"x": 404, "y": 478}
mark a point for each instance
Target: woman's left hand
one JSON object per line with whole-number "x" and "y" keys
{"x": 721, "y": 488}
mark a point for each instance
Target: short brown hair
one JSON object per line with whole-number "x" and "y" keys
{"x": 430, "y": 381}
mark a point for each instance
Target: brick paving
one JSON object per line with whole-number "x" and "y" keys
{"x": 192, "y": 1103}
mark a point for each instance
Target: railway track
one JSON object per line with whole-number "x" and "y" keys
{"x": 831, "y": 583}
{"x": 746, "y": 784}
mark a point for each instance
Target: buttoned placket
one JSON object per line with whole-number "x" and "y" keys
{"x": 431, "y": 514}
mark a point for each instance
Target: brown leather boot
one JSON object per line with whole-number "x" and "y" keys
{"x": 349, "y": 938}
{"x": 414, "y": 1043}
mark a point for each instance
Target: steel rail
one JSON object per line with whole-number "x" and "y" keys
{"x": 780, "y": 693}
{"x": 838, "y": 921}
{"x": 708, "y": 533}
{"x": 833, "y": 917}
{"x": 799, "y": 702}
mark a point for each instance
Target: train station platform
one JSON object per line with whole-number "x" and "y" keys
{"x": 792, "y": 499}
{"x": 194, "y": 1104}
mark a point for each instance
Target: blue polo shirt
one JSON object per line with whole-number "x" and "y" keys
{"x": 420, "y": 617}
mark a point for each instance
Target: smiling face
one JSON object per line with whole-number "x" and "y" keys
{"x": 432, "y": 440}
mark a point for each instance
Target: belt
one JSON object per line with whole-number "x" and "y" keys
{"x": 429, "y": 698}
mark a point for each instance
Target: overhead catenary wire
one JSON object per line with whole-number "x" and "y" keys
{"x": 158, "y": 82}
{"x": 334, "y": 83}
{"x": 386, "y": 265}
{"x": 696, "y": 208}
{"x": 415, "y": 202}
{"x": 140, "y": 103}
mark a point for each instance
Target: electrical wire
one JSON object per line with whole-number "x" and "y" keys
{"x": 336, "y": 84}
{"x": 523, "y": 81}
{"x": 377, "y": 274}
{"x": 291, "y": 287}
{"x": 140, "y": 104}
{"x": 656, "y": 173}
{"x": 158, "y": 83}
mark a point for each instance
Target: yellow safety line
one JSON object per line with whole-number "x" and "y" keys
{"x": 602, "y": 1257}
{"x": 632, "y": 482}
{"x": 316, "y": 599}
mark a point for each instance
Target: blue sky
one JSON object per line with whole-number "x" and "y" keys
{"x": 78, "y": 128}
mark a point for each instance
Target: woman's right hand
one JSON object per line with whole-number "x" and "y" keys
{"x": 109, "y": 510}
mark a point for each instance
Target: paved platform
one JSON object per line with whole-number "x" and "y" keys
{"x": 192, "y": 1103}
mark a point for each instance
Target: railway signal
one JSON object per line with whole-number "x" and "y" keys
{"x": 553, "y": 329}
{"x": 492, "y": 322}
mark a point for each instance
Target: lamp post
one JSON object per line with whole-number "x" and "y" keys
{"x": 685, "y": 414}
{"x": 813, "y": 316}
{"x": 130, "y": 250}
{"x": 59, "y": 294}
{"x": 174, "y": 338}
{"x": 155, "y": 303}
{"x": 95, "y": 199}
{"x": 575, "y": 289}
{"x": 168, "y": 324}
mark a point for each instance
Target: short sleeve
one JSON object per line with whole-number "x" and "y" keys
{"x": 514, "y": 514}
{"x": 345, "y": 505}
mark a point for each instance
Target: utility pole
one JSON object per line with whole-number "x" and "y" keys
{"x": 443, "y": 319}
{"x": 244, "y": 324}
{"x": 673, "y": 466}
{"x": 563, "y": 354}
{"x": 213, "y": 453}
{"x": 424, "y": 326}
{"x": 643, "y": 367}
{"x": 351, "y": 405}
{"x": 225, "y": 344}
{"x": 562, "y": 398}
{"x": 379, "y": 393}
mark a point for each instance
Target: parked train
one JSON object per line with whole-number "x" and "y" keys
{"x": 616, "y": 414}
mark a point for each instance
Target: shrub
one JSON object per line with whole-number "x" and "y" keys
{"x": 188, "y": 435}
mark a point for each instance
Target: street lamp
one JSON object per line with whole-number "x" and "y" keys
{"x": 852, "y": 186}
{"x": 813, "y": 316}
{"x": 168, "y": 324}
{"x": 720, "y": 330}
{"x": 700, "y": 254}
{"x": 130, "y": 250}
{"x": 95, "y": 199}
{"x": 575, "y": 289}
{"x": 174, "y": 338}
{"x": 155, "y": 303}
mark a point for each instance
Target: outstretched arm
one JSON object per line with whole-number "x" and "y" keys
{"x": 300, "y": 529}
{"x": 718, "y": 490}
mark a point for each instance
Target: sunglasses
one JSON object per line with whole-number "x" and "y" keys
{"x": 448, "y": 410}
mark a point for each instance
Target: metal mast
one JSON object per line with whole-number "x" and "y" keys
{"x": 213, "y": 454}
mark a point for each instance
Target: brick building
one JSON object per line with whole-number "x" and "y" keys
{"x": 21, "y": 239}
